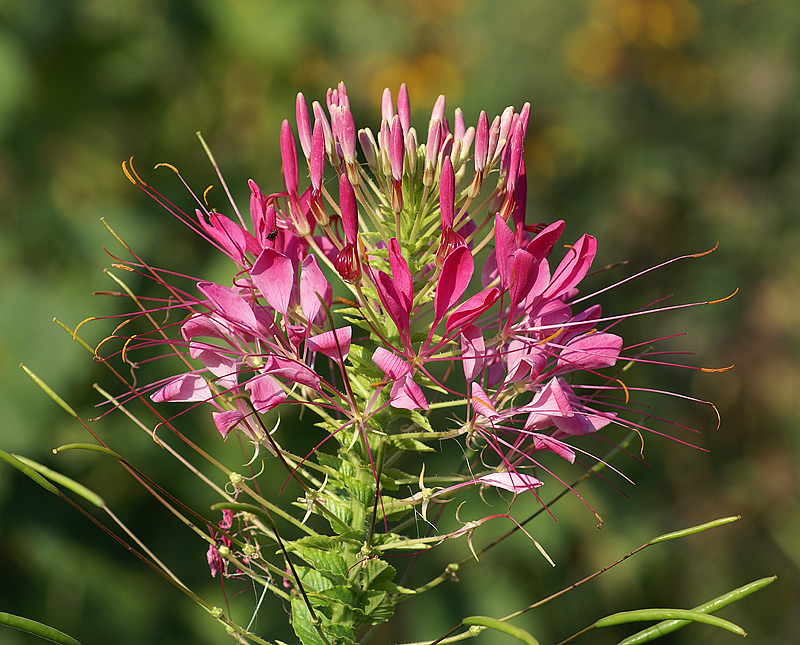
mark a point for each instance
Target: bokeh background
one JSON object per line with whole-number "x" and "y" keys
{"x": 660, "y": 126}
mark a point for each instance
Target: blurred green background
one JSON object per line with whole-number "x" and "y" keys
{"x": 660, "y": 126}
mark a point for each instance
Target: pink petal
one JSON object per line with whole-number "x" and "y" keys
{"x": 591, "y": 351}
{"x": 541, "y": 245}
{"x": 292, "y": 371}
{"x": 469, "y": 311}
{"x": 218, "y": 364}
{"x": 395, "y": 305}
{"x": 314, "y": 289}
{"x": 227, "y": 421}
{"x": 453, "y": 281}
{"x": 392, "y": 365}
{"x": 551, "y": 401}
{"x": 545, "y": 442}
{"x": 472, "y": 351}
{"x": 407, "y": 395}
{"x": 303, "y": 124}
{"x": 481, "y": 403}
{"x": 231, "y": 237}
{"x": 511, "y": 481}
{"x": 333, "y": 346}
{"x": 289, "y": 157}
{"x": 573, "y": 267}
{"x": 347, "y": 204}
{"x": 447, "y": 193}
{"x": 504, "y": 247}
{"x": 401, "y": 273}
{"x": 229, "y": 305}
{"x": 184, "y": 388}
{"x": 265, "y": 392}
{"x": 273, "y": 275}
{"x": 404, "y": 107}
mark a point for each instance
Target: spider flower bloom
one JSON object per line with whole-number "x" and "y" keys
{"x": 530, "y": 362}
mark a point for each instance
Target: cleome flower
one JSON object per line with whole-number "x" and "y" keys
{"x": 365, "y": 305}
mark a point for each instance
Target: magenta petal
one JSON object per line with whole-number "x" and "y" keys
{"x": 227, "y": 421}
{"x": 265, "y": 392}
{"x": 591, "y": 351}
{"x": 550, "y": 402}
{"x": 404, "y": 107}
{"x": 453, "y": 281}
{"x": 407, "y": 395}
{"x": 289, "y": 157}
{"x": 392, "y": 365}
{"x": 541, "y": 245}
{"x": 335, "y": 346}
{"x": 347, "y": 204}
{"x": 504, "y": 247}
{"x": 481, "y": 403}
{"x": 573, "y": 267}
{"x": 183, "y": 388}
{"x": 525, "y": 271}
{"x": 472, "y": 309}
{"x": 447, "y": 193}
{"x": 545, "y": 442}
{"x": 229, "y": 305}
{"x": 303, "y": 124}
{"x": 316, "y": 162}
{"x": 314, "y": 290}
{"x": 511, "y": 481}
{"x": 231, "y": 237}
{"x": 393, "y": 302}
{"x": 222, "y": 367}
{"x": 401, "y": 273}
{"x": 481, "y": 142}
{"x": 292, "y": 371}
{"x": 397, "y": 149}
{"x": 203, "y": 325}
{"x": 472, "y": 351}
{"x": 273, "y": 274}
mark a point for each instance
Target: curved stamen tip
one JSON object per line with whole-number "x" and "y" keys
{"x": 716, "y": 302}
{"x": 717, "y": 369}
{"x": 80, "y": 324}
{"x": 205, "y": 194}
{"x": 124, "y": 267}
{"x": 164, "y": 164}
{"x": 131, "y": 174}
{"x": 702, "y": 253}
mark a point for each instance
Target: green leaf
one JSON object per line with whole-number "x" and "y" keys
{"x": 400, "y": 442}
{"x": 640, "y": 615}
{"x": 505, "y": 628}
{"x": 331, "y": 565}
{"x": 302, "y": 625}
{"x": 668, "y": 626}
{"x": 378, "y": 607}
{"x": 37, "y": 629}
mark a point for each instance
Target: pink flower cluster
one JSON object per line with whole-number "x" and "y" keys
{"x": 398, "y": 246}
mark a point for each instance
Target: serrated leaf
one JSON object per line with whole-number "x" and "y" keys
{"x": 312, "y": 580}
{"x": 375, "y": 572}
{"x": 331, "y": 565}
{"x": 378, "y": 607}
{"x": 302, "y": 625}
